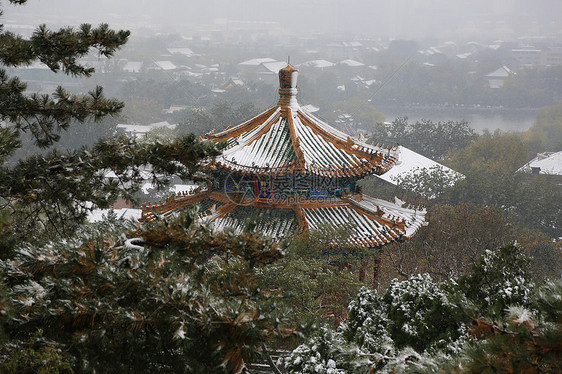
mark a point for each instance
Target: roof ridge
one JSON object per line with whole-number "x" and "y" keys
{"x": 300, "y": 160}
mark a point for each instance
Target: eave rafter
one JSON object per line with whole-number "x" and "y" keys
{"x": 375, "y": 159}
{"x": 264, "y": 129}
{"x": 242, "y": 128}
{"x": 397, "y": 223}
{"x": 173, "y": 202}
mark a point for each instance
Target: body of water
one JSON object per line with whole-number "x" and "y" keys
{"x": 479, "y": 119}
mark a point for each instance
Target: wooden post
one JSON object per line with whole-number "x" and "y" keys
{"x": 363, "y": 270}
{"x": 377, "y": 259}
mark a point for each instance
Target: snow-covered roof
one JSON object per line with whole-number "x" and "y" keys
{"x": 236, "y": 81}
{"x": 274, "y": 66}
{"x": 182, "y": 51}
{"x": 257, "y": 61}
{"x": 548, "y": 163}
{"x": 165, "y": 65}
{"x": 373, "y": 222}
{"x": 318, "y": 64}
{"x": 350, "y": 62}
{"x": 287, "y": 138}
{"x": 286, "y": 141}
{"x": 410, "y": 162}
{"x": 132, "y": 66}
{"x": 502, "y": 72}
{"x": 463, "y": 56}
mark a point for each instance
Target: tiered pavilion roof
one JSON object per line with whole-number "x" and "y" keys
{"x": 290, "y": 171}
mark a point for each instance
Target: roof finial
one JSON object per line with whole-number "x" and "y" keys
{"x": 288, "y": 86}
{"x": 289, "y": 60}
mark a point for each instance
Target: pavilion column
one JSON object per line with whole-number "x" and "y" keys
{"x": 377, "y": 259}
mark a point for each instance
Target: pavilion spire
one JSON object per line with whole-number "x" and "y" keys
{"x": 288, "y": 87}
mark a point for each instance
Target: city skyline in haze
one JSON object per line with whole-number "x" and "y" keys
{"x": 411, "y": 19}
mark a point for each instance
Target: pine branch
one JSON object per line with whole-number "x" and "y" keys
{"x": 60, "y": 50}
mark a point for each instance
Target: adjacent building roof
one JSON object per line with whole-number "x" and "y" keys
{"x": 410, "y": 162}
{"x": 548, "y": 163}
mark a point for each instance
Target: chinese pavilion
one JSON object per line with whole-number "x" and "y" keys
{"x": 289, "y": 171}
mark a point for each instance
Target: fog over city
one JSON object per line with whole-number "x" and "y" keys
{"x": 462, "y": 19}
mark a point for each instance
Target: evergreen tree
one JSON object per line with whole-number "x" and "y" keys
{"x": 494, "y": 320}
{"x": 50, "y": 193}
{"x": 500, "y": 279}
{"x": 171, "y": 296}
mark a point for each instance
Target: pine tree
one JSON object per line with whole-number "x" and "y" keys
{"x": 170, "y": 296}
{"x": 48, "y": 194}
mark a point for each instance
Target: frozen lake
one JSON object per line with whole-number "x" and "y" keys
{"x": 491, "y": 119}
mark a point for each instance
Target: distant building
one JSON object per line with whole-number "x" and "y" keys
{"x": 175, "y": 108}
{"x": 164, "y": 65}
{"x": 351, "y": 63}
{"x": 270, "y": 68}
{"x": 139, "y": 131}
{"x": 257, "y": 61}
{"x": 320, "y": 64}
{"x": 538, "y": 57}
{"x": 132, "y": 66}
{"x": 233, "y": 82}
{"x": 498, "y": 76}
{"x": 344, "y": 50}
{"x": 182, "y": 51}
{"x": 546, "y": 163}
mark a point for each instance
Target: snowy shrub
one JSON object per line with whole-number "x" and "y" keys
{"x": 325, "y": 353}
{"x": 421, "y": 313}
{"x": 368, "y": 324}
{"x": 167, "y": 297}
{"x": 521, "y": 340}
{"x": 501, "y": 278}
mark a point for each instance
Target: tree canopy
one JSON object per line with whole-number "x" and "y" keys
{"x": 50, "y": 192}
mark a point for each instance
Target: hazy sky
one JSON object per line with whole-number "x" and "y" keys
{"x": 356, "y": 18}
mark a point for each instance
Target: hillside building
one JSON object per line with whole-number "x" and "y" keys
{"x": 287, "y": 171}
